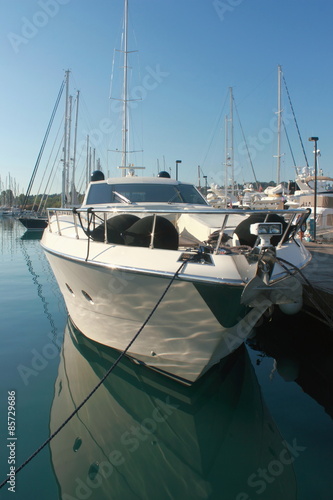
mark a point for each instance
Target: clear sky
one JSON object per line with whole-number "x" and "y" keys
{"x": 187, "y": 55}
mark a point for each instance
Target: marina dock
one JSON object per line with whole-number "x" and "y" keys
{"x": 318, "y": 298}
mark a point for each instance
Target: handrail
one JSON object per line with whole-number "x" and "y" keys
{"x": 224, "y": 223}
{"x": 181, "y": 210}
{"x": 302, "y": 214}
{"x": 151, "y": 244}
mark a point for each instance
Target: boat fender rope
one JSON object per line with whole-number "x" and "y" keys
{"x": 86, "y": 231}
{"x": 121, "y": 355}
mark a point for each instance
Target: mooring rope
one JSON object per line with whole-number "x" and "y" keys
{"x": 86, "y": 231}
{"x": 122, "y": 354}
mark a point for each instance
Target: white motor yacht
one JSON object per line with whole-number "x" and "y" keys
{"x": 133, "y": 239}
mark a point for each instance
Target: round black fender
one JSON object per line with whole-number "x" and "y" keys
{"x": 115, "y": 227}
{"x": 165, "y": 234}
{"x": 243, "y": 229}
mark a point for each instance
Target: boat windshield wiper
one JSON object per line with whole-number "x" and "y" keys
{"x": 122, "y": 197}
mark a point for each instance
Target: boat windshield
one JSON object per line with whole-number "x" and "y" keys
{"x": 101, "y": 194}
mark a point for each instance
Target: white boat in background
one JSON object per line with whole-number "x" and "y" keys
{"x": 217, "y": 197}
{"x": 249, "y": 196}
{"x": 273, "y": 197}
{"x": 9, "y": 211}
{"x": 114, "y": 257}
{"x": 303, "y": 195}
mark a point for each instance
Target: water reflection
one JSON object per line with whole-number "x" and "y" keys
{"x": 302, "y": 348}
{"x": 32, "y": 235}
{"x": 9, "y": 235}
{"x": 38, "y": 280}
{"x": 144, "y": 436}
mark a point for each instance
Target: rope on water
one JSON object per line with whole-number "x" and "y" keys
{"x": 122, "y": 354}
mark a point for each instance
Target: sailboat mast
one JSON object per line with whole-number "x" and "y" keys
{"x": 125, "y": 84}
{"x": 125, "y": 99}
{"x": 68, "y": 193}
{"x": 74, "y": 148}
{"x": 279, "y": 111}
{"x": 87, "y": 162}
{"x": 65, "y": 166}
{"x": 229, "y": 149}
{"x": 231, "y": 153}
{"x": 226, "y": 146}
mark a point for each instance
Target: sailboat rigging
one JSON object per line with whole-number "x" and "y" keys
{"x": 125, "y": 167}
{"x": 37, "y": 220}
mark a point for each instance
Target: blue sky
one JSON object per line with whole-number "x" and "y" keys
{"x": 188, "y": 54}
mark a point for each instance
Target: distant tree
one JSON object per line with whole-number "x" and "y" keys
{"x": 7, "y": 198}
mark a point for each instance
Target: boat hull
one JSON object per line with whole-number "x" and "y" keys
{"x": 34, "y": 223}
{"x": 179, "y": 309}
{"x": 187, "y": 333}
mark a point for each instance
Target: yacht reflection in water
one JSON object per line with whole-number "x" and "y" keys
{"x": 302, "y": 349}
{"x": 144, "y": 436}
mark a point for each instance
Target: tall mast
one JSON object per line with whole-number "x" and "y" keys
{"x": 279, "y": 112}
{"x": 229, "y": 149}
{"x": 124, "y": 130}
{"x": 226, "y": 147}
{"x": 70, "y": 104}
{"x": 65, "y": 158}
{"x": 231, "y": 152}
{"x": 73, "y": 191}
{"x": 124, "y": 150}
{"x": 87, "y": 161}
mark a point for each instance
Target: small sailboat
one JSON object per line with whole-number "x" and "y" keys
{"x": 36, "y": 219}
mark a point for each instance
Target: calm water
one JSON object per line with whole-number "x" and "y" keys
{"x": 253, "y": 428}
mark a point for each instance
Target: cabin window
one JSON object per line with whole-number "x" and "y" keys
{"x": 99, "y": 193}
{"x": 144, "y": 193}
